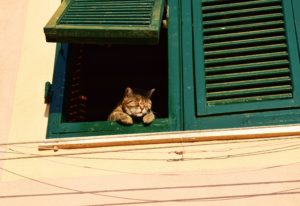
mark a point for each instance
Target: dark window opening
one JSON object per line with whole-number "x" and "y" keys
{"x": 97, "y": 76}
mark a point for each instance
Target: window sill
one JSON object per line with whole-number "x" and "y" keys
{"x": 172, "y": 137}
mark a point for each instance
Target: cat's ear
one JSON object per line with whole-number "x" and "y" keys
{"x": 128, "y": 91}
{"x": 150, "y": 92}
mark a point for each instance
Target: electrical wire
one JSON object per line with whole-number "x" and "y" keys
{"x": 134, "y": 173}
{"x": 144, "y": 149}
{"x": 67, "y": 188}
{"x": 292, "y": 191}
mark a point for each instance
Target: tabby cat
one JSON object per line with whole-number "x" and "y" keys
{"x": 134, "y": 105}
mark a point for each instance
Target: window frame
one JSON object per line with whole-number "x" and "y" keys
{"x": 182, "y": 102}
{"x": 57, "y": 128}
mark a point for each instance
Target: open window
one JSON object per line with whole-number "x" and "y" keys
{"x": 97, "y": 75}
{"x": 93, "y": 69}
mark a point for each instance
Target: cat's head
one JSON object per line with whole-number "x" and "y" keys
{"x": 137, "y": 103}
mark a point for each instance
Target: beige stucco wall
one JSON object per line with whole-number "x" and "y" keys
{"x": 12, "y": 27}
{"x": 35, "y": 68}
{"x": 261, "y": 172}
{"x": 26, "y": 64}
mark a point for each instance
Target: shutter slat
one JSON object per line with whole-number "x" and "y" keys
{"x": 247, "y": 58}
{"x": 253, "y": 91}
{"x": 242, "y": 35}
{"x": 107, "y": 22}
{"x": 240, "y": 12}
{"x": 245, "y": 51}
{"x": 96, "y": 8}
{"x": 251, "y": 99}
{"x": 247, "y": 67}
{"x": 242, "y": 20}
{"x": 245, "y": 42}
{"x": 112, "y": 4}
{"x": 247, "y": 75}
{"x": 110, "y": 1}
{"x": 248, "y": 83}
{"x": 243, "y": 27}
{"x": 213, "y": 6}
{"x": 111, "y": 8}
{"x": 108, "y": 14}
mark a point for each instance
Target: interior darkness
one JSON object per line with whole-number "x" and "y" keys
{"x": 97, "y": 76}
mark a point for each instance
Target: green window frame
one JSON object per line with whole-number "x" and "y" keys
{"x": 59, "y": 128}
{"x": 199, "y": 113}
{"x": 106, "y": 21}
{"x": 188, "y": 108}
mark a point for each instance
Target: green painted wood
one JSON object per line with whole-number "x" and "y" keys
{"x": 247, "y": 58}
{"x": 245, "y": 50}
{"x": 248, "y": 67}
{"x": 243, "y": 61}
{"x": 254, "y": 11}
{"x": 175, "y": 66}
{"x": 244, "y": 27}
{"x": 213, "y": 6}
{"x": 243, "y": 20}
{"x": 225, "y": 78}
{"x": 244, "y": 42}
{"x": 248, "y": 99}
{"x": 247, "y": 83}
{"x": 245, "y": 64}
{"x": 296, "y": 7}
{"x": 244, "y": 93}
{"x": 106, "y": 21}
{"x": 58, "y": 82}
{"x": 244, "y": 34}
{"x": 73, "y": 129}
{"x": 249, "y": 119}
{"x": 189, "y": 98}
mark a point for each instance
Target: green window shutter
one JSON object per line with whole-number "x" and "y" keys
{"x": 246, "y": 56}
{"x": 108, "y": 21}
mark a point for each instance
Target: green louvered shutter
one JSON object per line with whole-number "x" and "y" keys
{"x": 246, "y": 56}
{"x": 106, "y": 21}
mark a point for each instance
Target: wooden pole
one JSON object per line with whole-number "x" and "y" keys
{"x": 171, "y": 137}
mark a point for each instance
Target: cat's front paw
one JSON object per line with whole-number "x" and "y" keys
{"x": 126, "y": 119}
{"x": 148, "y": 118}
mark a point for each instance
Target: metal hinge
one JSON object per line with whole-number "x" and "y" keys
{"x": 48, "y": 93}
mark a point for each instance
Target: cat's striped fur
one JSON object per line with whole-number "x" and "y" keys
{"x": 134, "y": 104}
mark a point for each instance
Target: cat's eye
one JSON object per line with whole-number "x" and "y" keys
{"x": 129, "y": 102}
{"x": 132, "y": 104}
